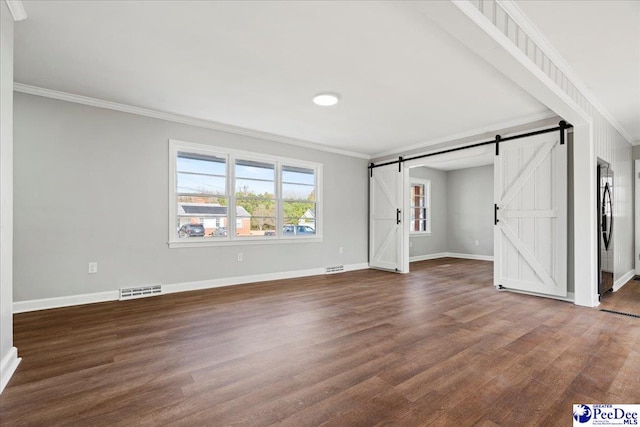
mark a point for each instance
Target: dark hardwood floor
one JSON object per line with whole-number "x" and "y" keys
{"x": 438, "y": 346}
{"x": 626, "y": 300}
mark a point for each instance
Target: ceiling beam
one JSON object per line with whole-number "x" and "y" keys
{"x": 17, "y": 10}
{"x": 487, "y": 41}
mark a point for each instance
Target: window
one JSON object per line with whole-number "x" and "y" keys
{"x": 420, "y": 203}
{"x": 299, "y": 200}
{"x": 255, "y": 183}
{"x": 220, "y": 196}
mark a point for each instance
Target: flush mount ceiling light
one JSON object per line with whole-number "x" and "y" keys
{"x": 326, "y": 99}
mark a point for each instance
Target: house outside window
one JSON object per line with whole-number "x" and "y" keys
{"x": 238, "y": 196}
{"x": 420, "y": 206}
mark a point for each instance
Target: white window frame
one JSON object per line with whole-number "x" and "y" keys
{"x": 230, "y": 155}
{"x": 427, "y": 190}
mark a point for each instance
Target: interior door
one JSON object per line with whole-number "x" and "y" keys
{"x": 386, "y": 224}
{"x": 530, "y": 237}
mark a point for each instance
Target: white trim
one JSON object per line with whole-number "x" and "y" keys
{"x": 451, "y": 255}
{"x": 16, "y": 7}
{"x": 196, "y": 242}
{"x": 47, "y": 303}
{"x": 471, "y": 256}
{"x": 525, "y": 24}
{"x": 426, "y": 186}
{"x": 428, "y": 257}
{"x": 67, "y": 301}
{"x": 256, "y": 278}
{"x": 8, "y": 366}
{"x": 636, "y": 183}
{"x": 177, "y": 118}
{"x": 618, "y": 284}
{"x": 471, "y": 133}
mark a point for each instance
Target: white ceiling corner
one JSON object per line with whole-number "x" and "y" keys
{"x": 207, "y": 124}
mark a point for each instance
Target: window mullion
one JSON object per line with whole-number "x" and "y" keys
{"x": 279, "y": 205}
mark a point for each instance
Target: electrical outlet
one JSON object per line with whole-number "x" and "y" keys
{"x": 240, "y": 256}
{"x": 93, "y": 267}
{"x": 410, "y": 244}
{"x": 340, "y": 250}
{"x": 477, "y": 242}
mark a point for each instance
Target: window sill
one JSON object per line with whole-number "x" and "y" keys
{"x": 239, "y": 241}
{"x": 423, "y": 234}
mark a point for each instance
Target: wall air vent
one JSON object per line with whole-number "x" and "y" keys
{"x": 334, "y": 269}
{"x": 140, "y": 292}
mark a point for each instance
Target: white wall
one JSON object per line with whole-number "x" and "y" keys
{"x": 8, "y": 353}
{"x": 470, "y": 210}
{"x": 91, "y": 185}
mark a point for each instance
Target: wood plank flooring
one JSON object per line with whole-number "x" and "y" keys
{"x": 438, "y": 346}
{"x": 626, "y": 300}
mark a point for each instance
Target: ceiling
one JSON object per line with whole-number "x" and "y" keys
{"x": 257, "y": 65}
{"x": 602, "y": 47}
{"x": 467, "y": 158}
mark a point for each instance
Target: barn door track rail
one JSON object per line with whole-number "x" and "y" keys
{"x": 498, "y": 139}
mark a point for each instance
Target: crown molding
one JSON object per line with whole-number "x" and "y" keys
{"x": 513, "y": 10}
{"x": 468, "y": 134}
{"x": 177, "y": 118}
{"x": 17, "y": 10}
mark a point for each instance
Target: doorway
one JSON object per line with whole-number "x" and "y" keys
{"x": 529, "y": 212}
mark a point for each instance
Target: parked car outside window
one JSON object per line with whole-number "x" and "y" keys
{"x": 297, "y": 229}
{"x": 191, "y": 230}
{"x": 220, "y": 232}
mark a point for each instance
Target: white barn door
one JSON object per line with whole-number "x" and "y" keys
{"x": 386, "y": 225}
{"x": 530, "y": 237}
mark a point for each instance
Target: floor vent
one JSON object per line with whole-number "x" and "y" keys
{"x": 636, "y": 277}
{"x": 334, "y": 269}
{"x": 140, "y": 292}
{"x": 620, "y": 312}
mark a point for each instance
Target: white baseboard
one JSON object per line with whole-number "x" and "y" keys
{"x": 471, "y": 256}
{"x": 8, "y": 366}
{"x": 623, "y": 280}
{"x": 450, "y": 255}
{"x": 427, "y": 257}
{"x": 240, "y": 280}
{"x": 47, "y": 303}
{"x": 354, "y": 267}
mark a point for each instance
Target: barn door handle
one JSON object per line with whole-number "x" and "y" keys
{"x": 495, "y": 214}
{"x": 398, "y": 216}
